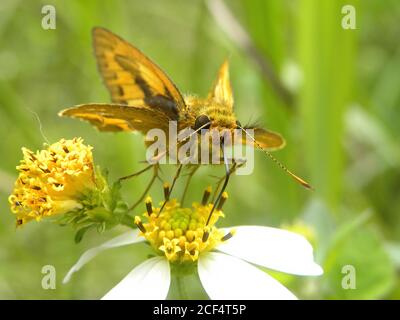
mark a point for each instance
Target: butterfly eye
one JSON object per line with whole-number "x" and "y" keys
{"x": 202, "y": 122}
{"x": 238, "y": 123}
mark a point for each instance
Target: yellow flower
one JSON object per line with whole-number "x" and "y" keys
{"x": 53, "y": 181}
{"x": 192, "y": 250}
{"x": 181, "y": 234}
{"x": 170, "y": 248}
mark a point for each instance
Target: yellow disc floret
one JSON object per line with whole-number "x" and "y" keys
{"x": 181, "y": 234}
{"x": 52, "y": 181}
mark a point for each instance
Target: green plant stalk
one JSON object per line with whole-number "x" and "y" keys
{"x": 128, "y": 221}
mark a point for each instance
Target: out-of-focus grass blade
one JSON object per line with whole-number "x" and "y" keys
{"x": 326, "y": 56}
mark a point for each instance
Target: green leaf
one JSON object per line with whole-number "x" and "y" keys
{"x": 80, "y": 233}
{"x": 99, "y": 214}
{"x": 374, "y": 270}
{"x": 120, "y": 210}
{"x": 101, "y": 227}
{"x": 115, "y": 194}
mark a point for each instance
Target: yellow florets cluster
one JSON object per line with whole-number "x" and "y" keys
{"x": 53, "y": 180}
{"x": 181, "y": 234}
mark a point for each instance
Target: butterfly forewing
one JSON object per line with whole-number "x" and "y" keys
{"x": 222, "y": 90}
{"x": 130, "y": 76}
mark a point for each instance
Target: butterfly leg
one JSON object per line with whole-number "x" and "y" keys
{"x": 177, "y": 174}
{"x": 189, "y": 178}
{"x": 225, "y": 181}
{"x": 221, "y": 180}
{"x": 236, "y": 165}
{"x": 135, "y": 174}
{"x": 150, "y": 184}
{"x": 228, "y": 172}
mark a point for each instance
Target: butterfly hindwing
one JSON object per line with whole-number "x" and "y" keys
{"x": 129, "y": 75}
{"x": 265, "y": 139}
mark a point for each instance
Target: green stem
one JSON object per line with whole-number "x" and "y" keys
{"x": 128, "y": 221}
{"x": 180, "y": 283}
{"x": 185, "y": 283}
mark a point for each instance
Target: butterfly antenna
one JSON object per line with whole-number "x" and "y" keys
{"x": 296, "y": 178}
{"x": 196, "y": 131}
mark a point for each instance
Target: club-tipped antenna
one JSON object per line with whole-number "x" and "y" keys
{"x": 296, "y": 178}
{"x": 196, "y": 131}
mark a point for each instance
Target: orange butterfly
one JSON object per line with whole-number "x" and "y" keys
{"x": 145, "y": 98}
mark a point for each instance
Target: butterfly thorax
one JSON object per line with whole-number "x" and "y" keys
{"x": 221, "y": 116}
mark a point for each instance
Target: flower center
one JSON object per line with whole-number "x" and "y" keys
{"x": 182, "y": 234}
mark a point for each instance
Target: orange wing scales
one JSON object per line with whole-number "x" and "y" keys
{"x": 129, "y": 75}
{"x": 222, "y": 90}
{"x": 266, "y": 139}
{"x": 114, "y": 117}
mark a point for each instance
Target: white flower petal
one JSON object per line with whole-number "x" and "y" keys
{"x": 273, "y": 248}
{"x": 148, "y": 281}
{"x": 121, "y": 240}
{"x": 228, "y": 278}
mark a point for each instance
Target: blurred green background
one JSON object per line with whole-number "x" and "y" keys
{"x": 341, "y": 129}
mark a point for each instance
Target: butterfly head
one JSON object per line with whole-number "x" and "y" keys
{"x": 213, "y": 116}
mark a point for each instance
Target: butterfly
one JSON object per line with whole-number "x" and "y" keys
{"x": 144, "y": 97}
